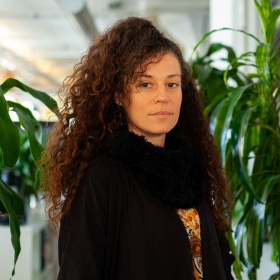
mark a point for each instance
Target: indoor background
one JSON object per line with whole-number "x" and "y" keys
{"x": 42, "y": 40}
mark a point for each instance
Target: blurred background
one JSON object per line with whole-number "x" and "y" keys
{"x": 42, "y": 40}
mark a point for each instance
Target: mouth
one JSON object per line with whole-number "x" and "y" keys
{"x": 162, "y": 113}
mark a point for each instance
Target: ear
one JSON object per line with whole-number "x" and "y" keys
{"x": 117, "y": 98}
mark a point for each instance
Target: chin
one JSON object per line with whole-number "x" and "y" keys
{"x": 162, "y": 130}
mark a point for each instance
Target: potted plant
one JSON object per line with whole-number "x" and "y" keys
{"x": 12, "y": 152}
{"x": 244, "y": 116}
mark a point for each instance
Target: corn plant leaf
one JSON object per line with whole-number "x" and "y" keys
{"x": 222, "y": 29}
{"x": 275, "y": 213}
{"x": 38, "y": 177}
{"x": 14, "y": 205}
{"x": 31, "y": 125}
{"x": 215, "y": 47}
{"x": 239, "y": 128}
{"x": 262, "y": 60}
{"x": 240, "y": 229}
{"x": 9, "y": 139}
{"x": 237, "y": 266}
{"x": 256, "y": 221}
{"x": 203, "y": 72}
{"x": 262, "y": 17}
{"x": 223, "y": 120}
{"x": 215, "y": 113}
{"x": 274, "y": 276}
{"x": 275, "y": 221}
{"x": 214, "y": 102}
{"x": 40, "y": 95}
{"x": 271, "y": 25}
{"x": 275, "y": 45}
{"x": 274, "y": 65}
{"x": 231, "y": 65}
{"x": 3, "y": 210}
{"x": 266, "y": 8}
{"x": 276, "y": 133}
{"x": 261, "y": 153}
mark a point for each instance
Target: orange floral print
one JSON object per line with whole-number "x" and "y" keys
{"x": 190, "y": 219}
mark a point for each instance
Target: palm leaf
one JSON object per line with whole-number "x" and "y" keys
{"x": 256, "y": 221}
{"x": 32, "y": 126}
{"x": 9, "y": 140}
{"x": 40, "y": 95}
{"x": 222, "y": 29}
{"x": 239, "y": 127}
{"x": 223, "y": 119}
{"x": 14, "y": 205}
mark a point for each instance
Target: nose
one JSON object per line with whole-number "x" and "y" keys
{"x": 161, "y": 95}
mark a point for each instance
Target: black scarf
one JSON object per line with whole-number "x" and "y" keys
{"x": 175, "y": 174}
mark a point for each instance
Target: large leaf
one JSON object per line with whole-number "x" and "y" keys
{"x": 9, "y": 137}
{"x": 239, "y": 231}
{"x": 262, "y": 17}
{"x": 272, "y": 218}
{"x": 40, "y": 95}
{"x": 222, "y": 29}
{"x": 223, "y": 120}
{"x": 214, "y": 102}
{"x": 274, "y": 276}
{"x": 256, "y": 221}
{"x": 31, "y": 125}
{"x": 268, "y": 19}
{"x": 3, "y": 210}
{"x": 38, "y": 177}
{"x": 239, "y": 128}
{"x": 262, "y": 60}
{"x": 266, "y": 8}
{"x": 237, "y": 266}
{"x": 14, "y": 205}
{"x": 271, "y": 25}
{"x": 235, "y": 62}
{"x": 215, "y": 47}
{"x": 202, "y": 72}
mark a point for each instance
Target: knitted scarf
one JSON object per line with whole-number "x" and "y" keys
{"x": 175, "y": 173}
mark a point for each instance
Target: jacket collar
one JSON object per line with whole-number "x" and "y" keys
{"x": 175, "y": 174}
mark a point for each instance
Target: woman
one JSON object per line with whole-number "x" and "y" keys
{"x": 132, "y": 175}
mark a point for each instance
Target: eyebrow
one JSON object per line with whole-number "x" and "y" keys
{"x": 169, "y": 76}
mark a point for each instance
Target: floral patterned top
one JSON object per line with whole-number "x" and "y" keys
{"x": 190, "y": 219}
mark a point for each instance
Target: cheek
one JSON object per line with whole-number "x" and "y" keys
{"x": 178, "y": 102}
{"x": 138, "y": 104}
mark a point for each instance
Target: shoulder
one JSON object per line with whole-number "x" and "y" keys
{"x": 101, "y": 162}
{"x": 103, "y": 179}
{"x": 104, "y": 166}
{"x": 104, "y": 172}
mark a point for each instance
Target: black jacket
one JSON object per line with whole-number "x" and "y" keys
{"x": 119, "y": 229}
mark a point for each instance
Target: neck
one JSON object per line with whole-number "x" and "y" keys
{"x": 155, "y": 139}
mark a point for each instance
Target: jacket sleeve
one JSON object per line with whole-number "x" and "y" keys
{"x": 82, "y": 237}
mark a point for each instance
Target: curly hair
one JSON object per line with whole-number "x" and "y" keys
{"x": 90, "y": 112}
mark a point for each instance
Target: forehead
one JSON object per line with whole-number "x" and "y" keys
{"x": 167, "y": 61}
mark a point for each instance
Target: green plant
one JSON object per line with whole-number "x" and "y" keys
{"x": 11, "y": 202}
{"x": 244, "y": 114}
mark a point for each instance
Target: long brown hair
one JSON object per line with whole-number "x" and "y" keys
{"x": 90, "y": 112}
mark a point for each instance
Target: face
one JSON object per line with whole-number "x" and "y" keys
{"x": 153, "y": 104}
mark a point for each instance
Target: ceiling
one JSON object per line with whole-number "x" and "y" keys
{"x": 41, "y": 40}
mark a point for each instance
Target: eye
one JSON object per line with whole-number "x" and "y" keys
{"x": 172, "y": 85}
{"x": 145, "y": 85}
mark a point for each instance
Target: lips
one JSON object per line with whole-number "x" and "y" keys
{"x": 162, "y": 113}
